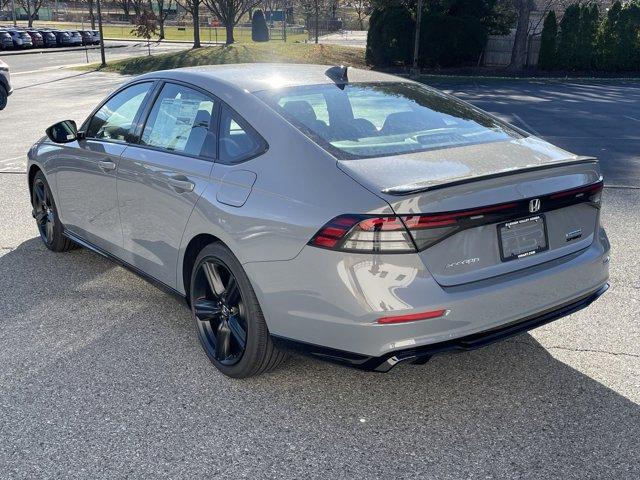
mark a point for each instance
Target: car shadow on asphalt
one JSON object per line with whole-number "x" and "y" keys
{"x": 82, "y": 341}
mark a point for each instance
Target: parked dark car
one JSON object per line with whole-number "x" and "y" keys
{"x": 6, "y": 42}
{"x": 87, "y": 37}
{"x": 76, "y": 38}
{"x": 96, "y": 37}
{"x": 21, "y": 39}
{"x": 63, "y": 39}
{"x": 36, "y": 38}
{"x": 48, "y": 38}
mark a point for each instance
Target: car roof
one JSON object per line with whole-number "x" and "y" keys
{"x": 253, "y": 77}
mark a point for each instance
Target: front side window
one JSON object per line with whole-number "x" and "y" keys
{"x": 181, "y": 121}
{"x": 238, "y": 142}
{"x": 114, "y": 120}
{"x": 364, "y": 120}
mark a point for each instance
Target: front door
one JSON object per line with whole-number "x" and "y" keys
{"x": 161, "y": 179}
{"x": 86, "y": 173}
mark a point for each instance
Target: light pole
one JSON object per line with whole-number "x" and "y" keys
{"x": 416, "y": 45}
{"x": 13, "y": 9}
{"x": 104, "y": 61}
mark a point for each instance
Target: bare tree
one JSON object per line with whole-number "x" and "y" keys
{"x": 230, "y": 12}
{"x": 125, "y": 5}
{"x": 312, "y": 10}
{"x": 362, "y": 9}
{"x": 31, "y": 7}
{"x": 138, "y": 6}
{"x": 164, "y": 8}
{"x": 519, "y": 52}
{"x": 92, "y": 17}
{"x": 193, "y": 7}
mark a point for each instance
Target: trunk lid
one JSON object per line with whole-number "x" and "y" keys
{"x": 477, "y": 176}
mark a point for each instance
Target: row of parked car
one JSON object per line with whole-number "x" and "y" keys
{"x": 12, "y": 38}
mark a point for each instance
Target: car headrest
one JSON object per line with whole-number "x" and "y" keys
{"x": 403, "y": 122}
{"x": 301, "y": 110}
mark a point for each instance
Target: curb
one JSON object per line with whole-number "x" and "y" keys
{"x": 56, "y": 50}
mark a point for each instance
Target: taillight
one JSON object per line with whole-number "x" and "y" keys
{"x": 365, "y": 234}
{"x": 413, "y": 233}
{"x": 593, "y": 192}
{"x": 398, "y": 234}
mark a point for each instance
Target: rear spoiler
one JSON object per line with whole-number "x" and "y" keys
{"x": 427, "y": 186}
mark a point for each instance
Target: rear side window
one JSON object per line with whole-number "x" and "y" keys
{"x": 363, "y": 120}
{"x": 238, "y": 141}
{"x": 182, "y": 120}
{"x": 114, "y": 120}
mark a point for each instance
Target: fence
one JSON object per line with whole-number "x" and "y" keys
{"x": 241, "y": 34}
{"x": 497, "y": 52}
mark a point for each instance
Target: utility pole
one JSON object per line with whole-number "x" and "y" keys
{"x": 104, "y": 60}
{"x": 416, "y": 46}
{"x": 13, "y": 9}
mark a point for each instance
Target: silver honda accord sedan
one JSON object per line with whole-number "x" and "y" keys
{"x": 356, "y": 216}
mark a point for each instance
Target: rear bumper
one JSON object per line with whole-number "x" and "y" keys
{"x": 386, "y": 362}
{"x": 333, "y": 299}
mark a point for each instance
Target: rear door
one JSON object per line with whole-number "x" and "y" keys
{"x": 161, "y": 178}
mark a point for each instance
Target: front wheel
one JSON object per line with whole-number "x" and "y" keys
{"x": 228, "y": 318}
{"x": 46, "y": 215}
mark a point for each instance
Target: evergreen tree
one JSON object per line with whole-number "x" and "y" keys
{"x": 607, "y": 39}
{"x": 259, "y": 29}
{"x": 627, "y": 55}
{"x": 547, "y": 58}
{"x": 569, "y": 38}
{"x": 586, "y": 36}
{"x": 390, "y": 37}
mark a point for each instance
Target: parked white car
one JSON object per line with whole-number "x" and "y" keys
{"x": 5, "y": 84}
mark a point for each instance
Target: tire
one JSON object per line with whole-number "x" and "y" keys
{"x": 46, "y": 215}
{"x": 3, "y": 97}
{"x": 212, "y": 290}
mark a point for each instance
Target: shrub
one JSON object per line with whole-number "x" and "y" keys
{"x": 390, "y": 37}
{"x": 547, "y": 57}
{"x": 259, "y": 30}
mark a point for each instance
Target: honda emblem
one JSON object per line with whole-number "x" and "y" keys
{"x": 534, "y": 205}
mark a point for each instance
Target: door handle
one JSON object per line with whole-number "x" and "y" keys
{"x": 107, "y": 165}
{"x": 181, "y": 184}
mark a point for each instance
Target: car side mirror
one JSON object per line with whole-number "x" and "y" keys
{"x": 63, "y": 132}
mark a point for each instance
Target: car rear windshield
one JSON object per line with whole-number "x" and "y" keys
{"x": 364, "y": 120}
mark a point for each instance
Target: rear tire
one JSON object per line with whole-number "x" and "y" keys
{"x": 46, "y": 215}
{"x": 228, "y": 318}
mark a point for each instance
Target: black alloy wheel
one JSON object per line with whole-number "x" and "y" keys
{"x": 46, "y": 215}
{"x": 219, "y": 311}
{"x": 43, "y": 210}
{"x": 229, "y": 321}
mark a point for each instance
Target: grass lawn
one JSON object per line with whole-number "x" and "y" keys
{"x": 271, "y": 52}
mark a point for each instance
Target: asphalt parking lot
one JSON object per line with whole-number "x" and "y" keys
{"x": 101, "y": 374}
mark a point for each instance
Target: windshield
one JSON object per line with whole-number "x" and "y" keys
{"x": 378, "y": 119}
